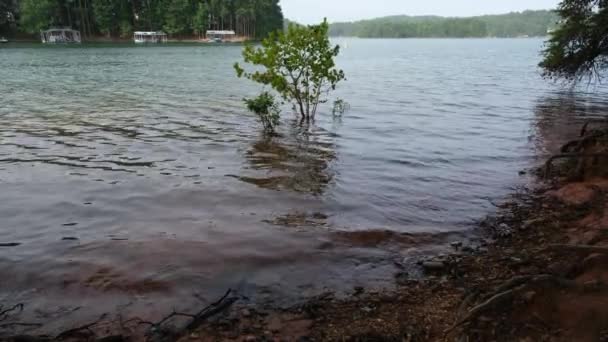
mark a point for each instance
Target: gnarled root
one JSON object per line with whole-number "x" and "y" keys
{"x": 507, "y": 292}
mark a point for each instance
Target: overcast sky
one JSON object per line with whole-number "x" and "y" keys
{"x": 313, "y": 11}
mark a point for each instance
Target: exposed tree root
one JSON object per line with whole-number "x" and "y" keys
{"x": 475, "y": 312}
{"x": 587, "y": 123}
{"x": 580, "y": 248}
{"x": 577, "y": 146}
{"x": 507, "y": 292}
{"x": 547, "y": 172}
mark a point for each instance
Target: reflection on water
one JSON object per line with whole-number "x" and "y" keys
{"x": 298, "y": 160}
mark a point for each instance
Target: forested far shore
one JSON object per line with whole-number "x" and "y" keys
{"x": 120, "y": 18}
{"x": 515, "y": 24}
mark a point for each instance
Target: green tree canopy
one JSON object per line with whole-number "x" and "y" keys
{"x": 579, "y": 46}
{"x": 38, "y": 15}
{"x": 249, "y": 18}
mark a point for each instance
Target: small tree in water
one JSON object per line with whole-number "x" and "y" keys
{"x": 298, "y": 64}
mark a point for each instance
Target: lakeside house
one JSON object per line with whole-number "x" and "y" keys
{"x": 60, "y": 36}
{"x": 219, "y": 36}
{"x": 142, "y": 37}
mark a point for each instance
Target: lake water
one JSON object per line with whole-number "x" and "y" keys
{"x": 134, "y": 174}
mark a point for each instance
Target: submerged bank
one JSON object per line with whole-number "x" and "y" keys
{"x": 538, "y": 273}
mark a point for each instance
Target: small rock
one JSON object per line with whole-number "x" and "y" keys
{"x": 482, "y": 250}
{"x": 366, "y": 309}
{"x": 246, "y": 313}
{"x": 591, "y": 284}
{"x": 526, "y": 225}
{"x": 433, "y": 266}
{"x": 503, "y": 230}
{"x": 401, "y": 277}
{"x": 467, "y": 249}
{"x": 456, "y": 244}
{"x": 69, "y": 238}
{"x": 232, "y": 335}
{"x": 359, "y": 290}
{"x": 10, "y": 244}
{"x": 319, "y": 216}
{"x": 250, "y": 338}
{"x": 194, "y": 336}
{"x": 529, "y": 296}
{"x": 326, "y": 245}
{"x": 515, "y": 260}
{"x": 522, "y": 173}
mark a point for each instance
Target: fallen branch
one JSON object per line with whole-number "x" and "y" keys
{"x": 506, "y": 293}
{"x": 479, "y": 309}
{"x": 212, "y": 310}
{"x": 197, "y": 319}
{"x": 72, "y": 332}
{"x": 4, "y": 313}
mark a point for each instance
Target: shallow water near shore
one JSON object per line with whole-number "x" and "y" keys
{"x": 133, "y": 177}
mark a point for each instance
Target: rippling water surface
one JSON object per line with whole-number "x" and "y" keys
{"x": 135, "y": 171}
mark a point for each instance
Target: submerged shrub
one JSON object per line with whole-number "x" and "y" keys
{"x": 340, "y": 107}
{"x": 267, "y": 110}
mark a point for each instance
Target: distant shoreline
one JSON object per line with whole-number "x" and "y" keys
{"x": 404, "y": 38}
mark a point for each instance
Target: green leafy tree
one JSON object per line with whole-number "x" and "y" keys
{"x": 105, "y": 14}
{"x": 200, "y": 22}
{"x": 177, "y": 16}
{"x": 8, "y": 8}
{"x": 298, "y": 64}
{"x": 38, "y": 15}
{"x": 579, "y": 46}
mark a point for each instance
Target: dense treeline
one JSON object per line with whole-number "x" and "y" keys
{"x": 119, "y": 18}
{"x": 527, "y": 23}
